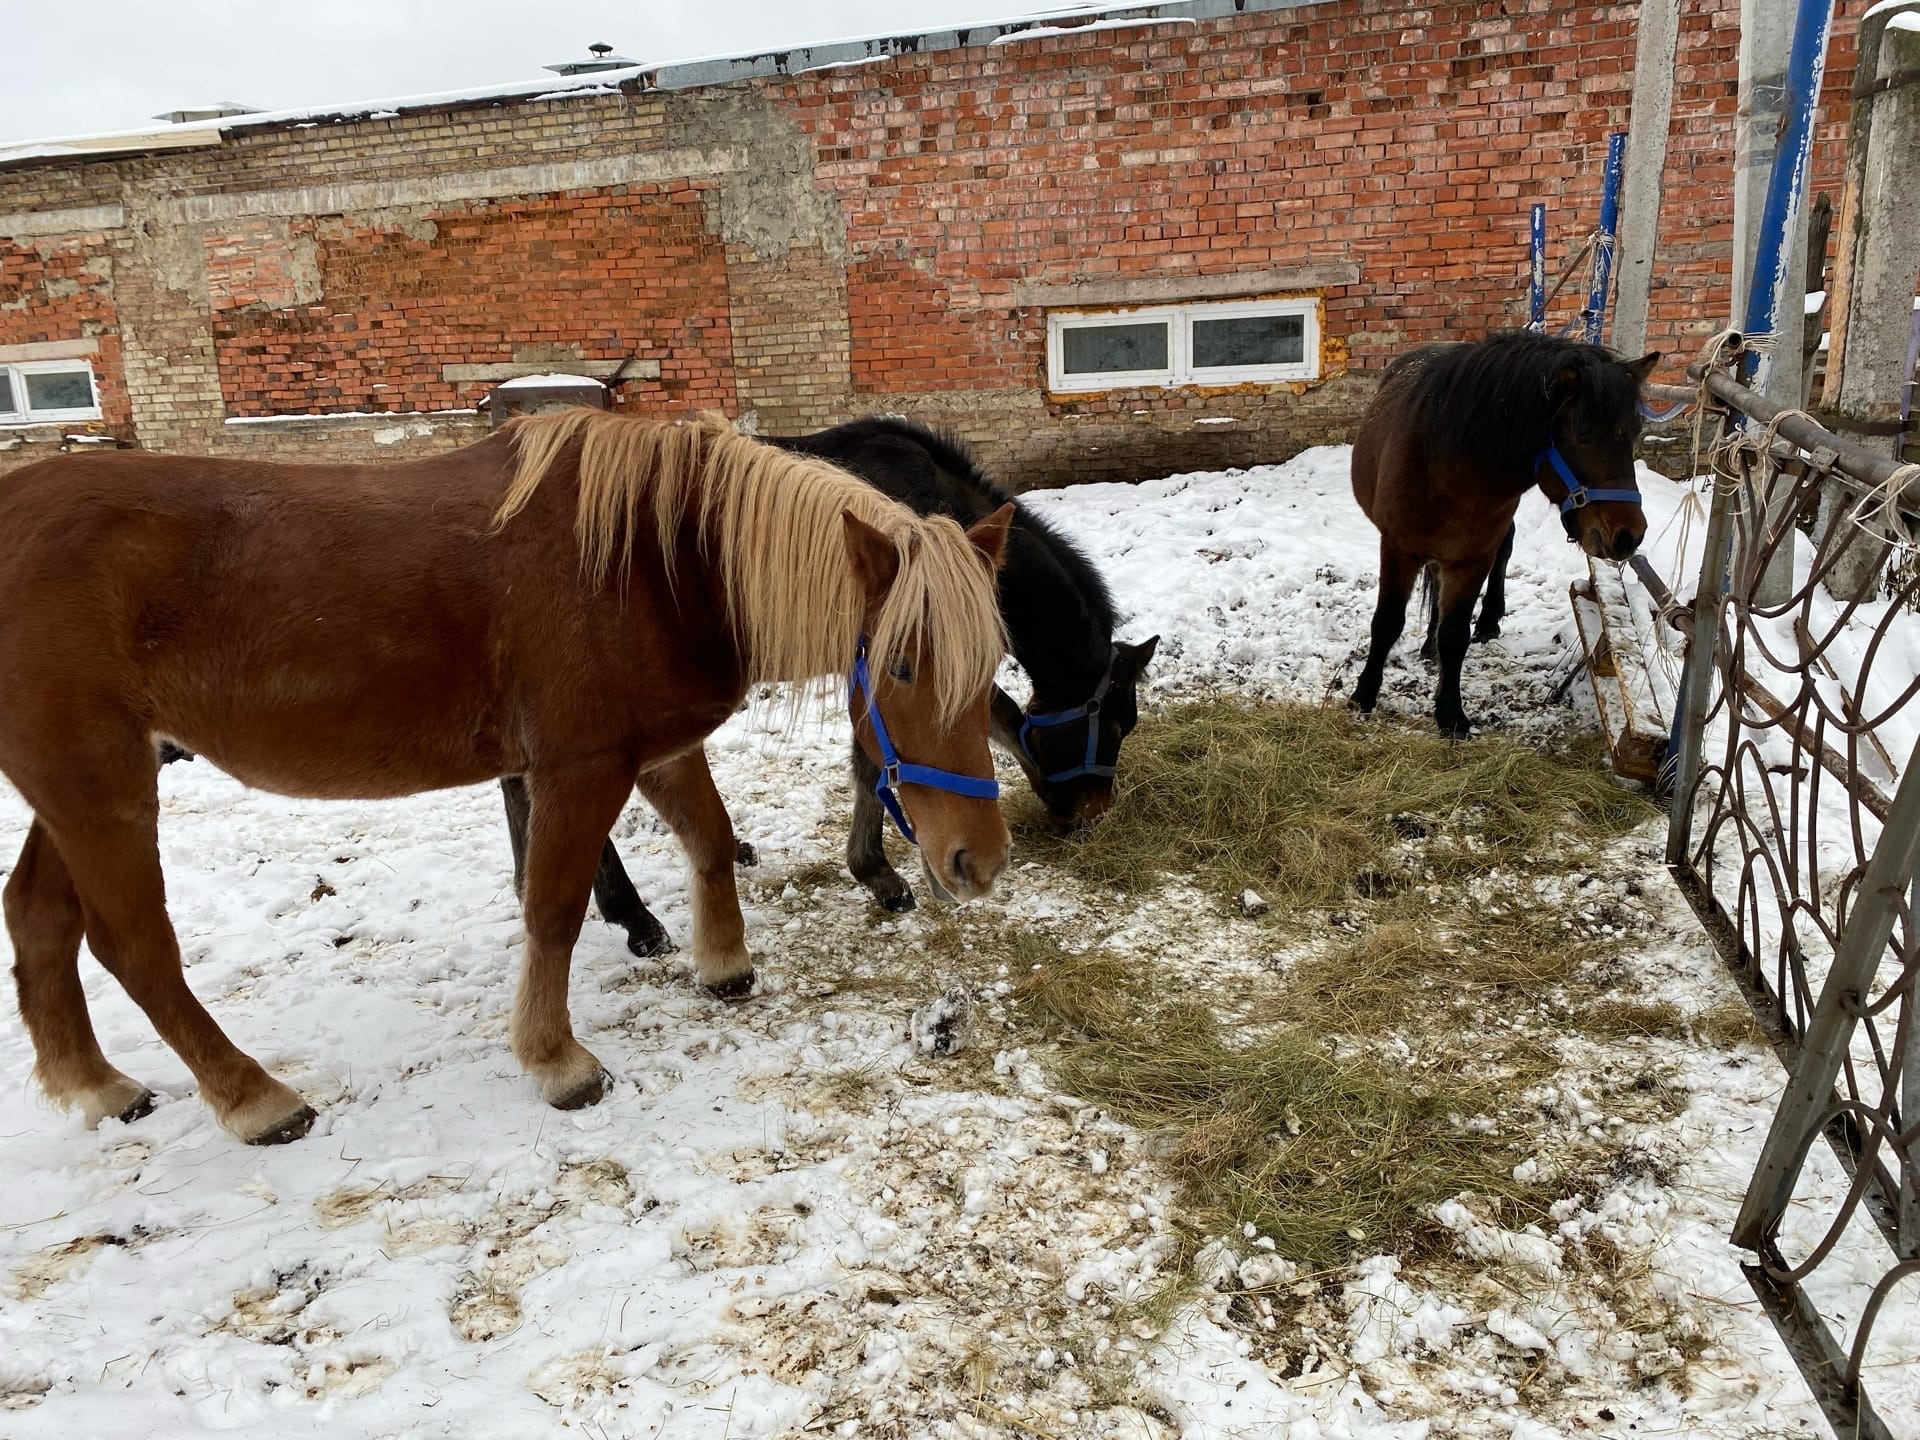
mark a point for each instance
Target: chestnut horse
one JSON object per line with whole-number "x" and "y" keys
{"x": 580, "y": 600}
{"x": 1452, "y": 440}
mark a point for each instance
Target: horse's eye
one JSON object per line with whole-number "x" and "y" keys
{"x": 901, "y": 671}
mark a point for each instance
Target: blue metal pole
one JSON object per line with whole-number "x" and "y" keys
{"x": 1595, "y": 315}
{"x": 1787, "y": 182}
{"x": 1537, "y": 291}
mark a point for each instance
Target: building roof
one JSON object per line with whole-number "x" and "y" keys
{"x": 1067, "y": 20}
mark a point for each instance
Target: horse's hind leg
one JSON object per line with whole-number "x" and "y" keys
{"x": 1459, "y": 588}
{"x": 1397, "y": 572}
{"x": 1493, "y": 609}
{"x": 109, "y": 840}
{"x": 569, "y": 815}
{"x": 866, "y": 856}
{"x": 682, "y": 791}
{"x": 45, "y": 922}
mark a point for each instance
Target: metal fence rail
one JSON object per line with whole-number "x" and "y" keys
{"x": 1795, "y": 831}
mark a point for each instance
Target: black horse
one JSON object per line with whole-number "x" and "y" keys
{"x": 1452, "y": 440}
{"x": 1060, "y": 619}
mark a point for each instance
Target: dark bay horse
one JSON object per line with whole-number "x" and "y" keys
{"x": 1452, "y": 440}
{"x": 579, "y": 600}
{"x": 1060, "y": 619}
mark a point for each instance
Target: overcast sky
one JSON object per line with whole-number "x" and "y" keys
{"x": 70, "y": 69}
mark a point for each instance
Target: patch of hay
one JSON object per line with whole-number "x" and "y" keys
{"x": 1298, "y": 802}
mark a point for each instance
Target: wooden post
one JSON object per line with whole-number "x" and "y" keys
{"x": 1657, "y": 33}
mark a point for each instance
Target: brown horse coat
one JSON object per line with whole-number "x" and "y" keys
{"x": 367, "y": 631}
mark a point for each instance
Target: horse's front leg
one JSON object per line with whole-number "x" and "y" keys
{"x": 1397, "y": 572}
{"x": 866, "y": 855}
{"x": 569, "y": 813}
{"x": 620, "y": 904}
{"x": 1493, "y": 609}
{"x": 1459, "y": 588}
{"x": 682, "y": 791}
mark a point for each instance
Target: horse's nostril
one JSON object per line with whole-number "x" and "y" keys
{"x": 957, "y": 867}
{"x": 1625, "y": 542}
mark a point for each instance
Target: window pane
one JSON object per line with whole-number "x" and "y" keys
{"x": 1249, "y": 340}
{"x": 60, "y": 390}
{"x": 6, "y": 393}
{"x": 1106, "y": 349}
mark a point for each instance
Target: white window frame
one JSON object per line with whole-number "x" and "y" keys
{"x": 16, "y": 373}
{"x": 1180, "y": 372}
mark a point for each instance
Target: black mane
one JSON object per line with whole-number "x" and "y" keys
{"x": 1495, "y": 401}
{"x": 951, "y": 454}
{"x": 1059, "y": 613}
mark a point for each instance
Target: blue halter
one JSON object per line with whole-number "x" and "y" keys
{"x": 1578, "y": 495}
{"x": 1038, "y": 720}
{"x": 895, "y": 771}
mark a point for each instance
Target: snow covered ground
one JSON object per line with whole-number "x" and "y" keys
{"x": 785, "y": 1218}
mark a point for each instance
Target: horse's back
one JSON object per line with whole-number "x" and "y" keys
{"x": 1389, "y": 472}
{"x": 235, "y": 604}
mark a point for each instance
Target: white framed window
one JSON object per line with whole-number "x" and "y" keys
{"x": 1227, "y": 342}
{"x": 33, "y": 392}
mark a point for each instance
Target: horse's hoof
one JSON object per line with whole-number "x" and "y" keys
{"x": 293, "y": 1127}
{"x": 649, "y": 944}
{"x": 1483, "y": 633}
{"x": 738, "y": 988}
{"x": 587, "y": 1092}
{"x": 745, "y": 854}
{"x": 138, "y": 1110}
{"x": 898, "y": 904}
{"x": 1459, "y": 728}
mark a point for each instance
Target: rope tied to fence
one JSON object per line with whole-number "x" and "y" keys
{"x": 1879, "y": 510}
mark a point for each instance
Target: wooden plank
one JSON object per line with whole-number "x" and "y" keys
{"x": 1646, "y": 727}
{"x": 1631, "y": 757}
{"x": 1646, "y": 629}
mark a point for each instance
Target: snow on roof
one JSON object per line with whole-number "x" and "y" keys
{"x": 528, "y": 382}
{"x": 209, "y": 132}
{"x": 1054, "y": 22}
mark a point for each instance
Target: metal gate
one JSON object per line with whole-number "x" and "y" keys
{"x": 1795, "y": 831}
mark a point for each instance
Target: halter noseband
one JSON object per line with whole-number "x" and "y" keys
{"x": 895, "y": 771}
{"x": 1578, "y": 495}
{"x": 1044, "y": 720}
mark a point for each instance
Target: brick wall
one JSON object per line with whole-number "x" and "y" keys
{"x": 802, "y": 249}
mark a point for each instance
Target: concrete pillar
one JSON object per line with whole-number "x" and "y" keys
{"x": 1886, "y": 260}
{"x": 1655, "y": 43}
{"x": 1766, "y": 41}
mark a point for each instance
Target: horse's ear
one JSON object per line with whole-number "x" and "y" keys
{"x": 1135, "y": 658}
{"x": 989, "y": 536}
{"x": 875, "y": 558}
{"x": 1643, "y": 367}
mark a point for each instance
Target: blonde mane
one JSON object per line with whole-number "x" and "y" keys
{"x": 769, "y": 522}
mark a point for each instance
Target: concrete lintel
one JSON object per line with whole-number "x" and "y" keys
{"x": 33, "y": 350}
{"x": 513, "y": 370}
{"x": 418, "y": 422}
{"x": 597, "y": 174}
{"x": 1170, "y": 289}
{"x": 28, "y": 223}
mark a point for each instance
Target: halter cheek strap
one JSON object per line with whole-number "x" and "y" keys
{"x": 894, "y": 771}
{"x": 1578, "y": 495}
{"x": 1045, "y": 720}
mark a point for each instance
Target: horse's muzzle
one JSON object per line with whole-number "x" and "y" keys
{"x": 1609, "y": 542}
{"x": 963, "y": 875}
